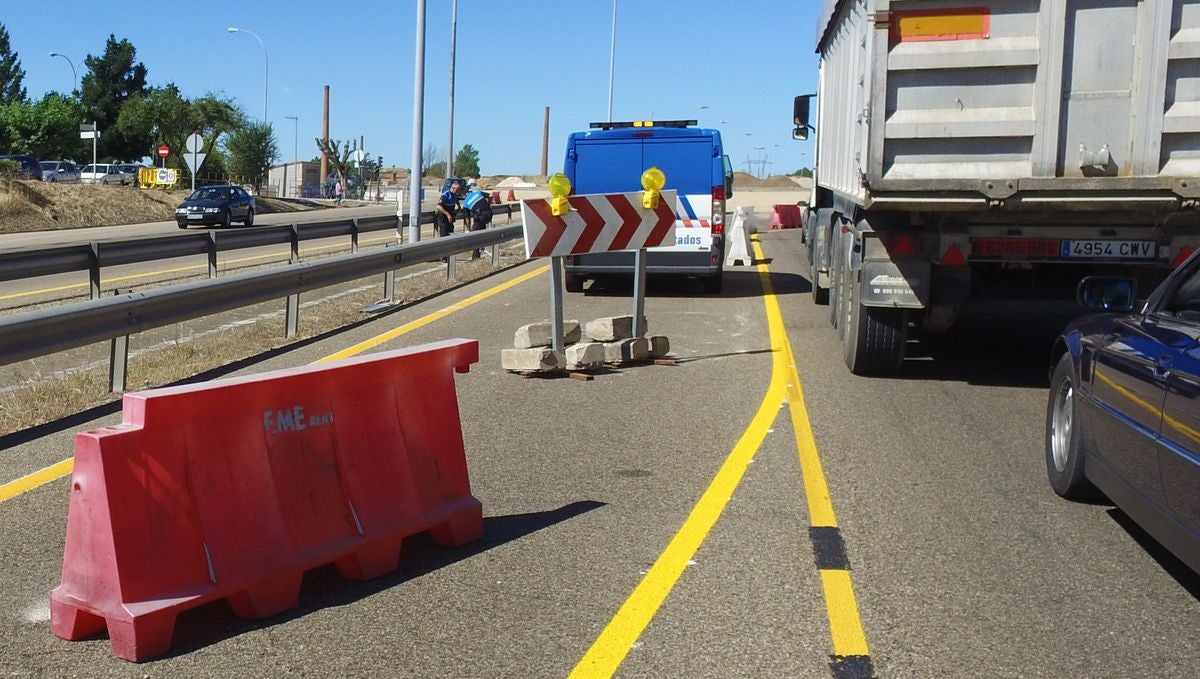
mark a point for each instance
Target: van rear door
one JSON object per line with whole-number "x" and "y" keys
{"x": 688, "y": 166}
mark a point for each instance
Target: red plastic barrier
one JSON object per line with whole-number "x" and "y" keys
{"x": 233, "y": 489}
{"x": 512, "y": 196}
{"x": 495, "y": 197}
{"x": 787, "y": 217}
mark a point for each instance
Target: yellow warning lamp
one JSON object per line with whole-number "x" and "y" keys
{"x": 653, "y": 180}
{"x": 560, "y": 188}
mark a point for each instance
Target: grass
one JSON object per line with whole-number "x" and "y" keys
{"x": 46, "y": 398}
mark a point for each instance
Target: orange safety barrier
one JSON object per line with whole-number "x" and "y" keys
{"x": 233, "y": 489}
{"x": 495, "y": 197}
{"x": 787, "y": 217}
{"x": 512, "y": 196}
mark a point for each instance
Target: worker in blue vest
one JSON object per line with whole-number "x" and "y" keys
{"x": 447, "y": 207}
{"x": 477, "y": 204}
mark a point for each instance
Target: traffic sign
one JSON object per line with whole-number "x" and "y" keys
{"x": 194, "y": 161}
{"x": 164, "y": 151}
{"x": 598, "y": 223}
{"x": 194, "y": 143}
{"x": 359, "y": 155}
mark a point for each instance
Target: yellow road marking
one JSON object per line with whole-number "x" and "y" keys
{"x": 38, "y": 478}
{"x": 616, "y": 640}
{"x": 181, "y": 269}
{"x": 61, "y": 469}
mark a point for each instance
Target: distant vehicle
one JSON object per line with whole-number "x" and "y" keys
{"x": 611, "y": 157}
{"x": 59, "y": 171}
{"x": 1123, "y": 414}
{"x": 30, "y": 169}
{"x": 129, "y": 172}
{"x": 101, "y": 173}
{"x": 216, "y": 205}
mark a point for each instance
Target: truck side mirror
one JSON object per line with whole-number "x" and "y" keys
{"x": 800, "y": 133}
{"x": 800, "y": 116}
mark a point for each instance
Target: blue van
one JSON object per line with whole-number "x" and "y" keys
{"x": 611, "y": 159}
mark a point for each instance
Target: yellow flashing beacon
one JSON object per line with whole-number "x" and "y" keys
{"x": 560, "y": 188}
{"x": 653, "y": 180}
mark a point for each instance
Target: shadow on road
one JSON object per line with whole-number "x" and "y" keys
{"x": 737, "y": 283}
{"x": 325, "y": 588}
{"x": 1186, "y": 577}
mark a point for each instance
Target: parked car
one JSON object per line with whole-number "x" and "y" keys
{"x": 129, "y": 172}
{"x": 216, "y": 205}
{"x": 28, "y": 164}
{"x": 59, "y": 171}
{"x": 1123, "y": 415}
{"x": 101, "y": 173}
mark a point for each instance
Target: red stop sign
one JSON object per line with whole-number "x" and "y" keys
{"x": 164, "y": 151}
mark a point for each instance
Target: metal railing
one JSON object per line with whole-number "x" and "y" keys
{"x": 47, "y": 331}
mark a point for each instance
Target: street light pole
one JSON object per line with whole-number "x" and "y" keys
{"x": 612, "y": 60}
{"x": 74, "y": 75}
{"x": 266, "y": 64}
{"x": 295, "y": 149}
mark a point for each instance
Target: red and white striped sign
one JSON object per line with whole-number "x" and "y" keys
{"x": 598, "y": 223}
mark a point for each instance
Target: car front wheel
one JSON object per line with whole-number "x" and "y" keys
{"x": 227, "y": 218}
{"x": 1064, "y": 453}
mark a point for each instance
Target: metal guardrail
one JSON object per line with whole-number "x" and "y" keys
{"x": 92, "y": 257}
{"x": 47, "y": 331}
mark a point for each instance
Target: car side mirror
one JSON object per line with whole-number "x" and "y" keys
{"x": 1105, "y": 293}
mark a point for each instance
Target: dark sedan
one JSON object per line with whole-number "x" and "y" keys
{"x": 216, "y": 205}
{"x": 1124, "y": 410}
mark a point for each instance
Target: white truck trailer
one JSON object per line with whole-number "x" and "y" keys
{"x": 976, "y": 158}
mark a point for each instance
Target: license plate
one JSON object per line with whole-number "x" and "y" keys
{"x": 1109, "y": 249}
{"x": 195, "y": 216}
{"x": 1015, "y": 247}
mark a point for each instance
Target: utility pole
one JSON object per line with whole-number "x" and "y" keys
{"x": 414, "y": 179}
{"x": 325, "y": 138}
{"x": 546, "y": 143}
{"x": 453, "y": 40}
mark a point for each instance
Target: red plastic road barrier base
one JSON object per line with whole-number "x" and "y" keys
{"x": 787, "y": 217}
{"x": 495, "y": 197}
{"x": 233, "y": 489}
{"x": 512, "y": 196}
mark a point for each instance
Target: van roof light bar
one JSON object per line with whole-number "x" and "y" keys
{"x": 641, "y": 123}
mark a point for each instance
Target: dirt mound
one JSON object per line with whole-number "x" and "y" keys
{"x": 38, "y": 206}
{"x": 742, "y": 180}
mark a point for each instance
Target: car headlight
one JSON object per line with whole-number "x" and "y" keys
{"x": 181, "y": 210}
{"x": 212, "y": 210}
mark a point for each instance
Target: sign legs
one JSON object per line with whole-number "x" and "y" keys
{"x": 639, "y": 293}
{"x": 556, "y": 302}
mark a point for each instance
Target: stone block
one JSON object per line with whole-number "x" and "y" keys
{"x": 611, "y": 329}
{"x": 536, "y": 359}
{"x": 542, "y": 334}
{"x": 627, "y": 350}
{"x": 659, "y": 346}
{"x": 584, "y": 355}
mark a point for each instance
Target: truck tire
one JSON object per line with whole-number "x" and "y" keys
{"x": 573, "y": 282}
{"x": 874, "y": 339}
{"x": 820, "y": 295}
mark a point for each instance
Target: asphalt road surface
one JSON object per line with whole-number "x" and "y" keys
{"x": 751, "y": 511}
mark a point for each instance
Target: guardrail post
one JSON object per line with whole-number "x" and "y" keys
{"x": 354, "y": 235}
{"x": 212, "y": 254}
{"x": 292, "y": 317}
{"x": 94, "y": 270}
{"x": 495, "y": 254}
{"x": 450, "y": 272}
{"x": 118, "y": 361}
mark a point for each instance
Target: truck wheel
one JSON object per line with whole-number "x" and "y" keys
{"x": 1064, "y": 454}
{"x": 874, "y": 339}
{"x": 574, "y": 283}
{"x": 834, "y": 277}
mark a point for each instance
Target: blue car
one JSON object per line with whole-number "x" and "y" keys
{"x": 1123, "y": 416}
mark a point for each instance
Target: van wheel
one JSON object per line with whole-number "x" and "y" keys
{"x": 573, "y": 282}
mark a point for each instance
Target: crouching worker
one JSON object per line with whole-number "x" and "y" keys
{"x": 477, "y": 204}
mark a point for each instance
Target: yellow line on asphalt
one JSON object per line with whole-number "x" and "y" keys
{"x": 38, "y": 478}
{"x": 616, "y": 640}
{"x": 61, "y": 469}
{"x": 192, "y": 267}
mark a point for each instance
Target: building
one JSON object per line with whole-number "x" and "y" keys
{"x": 289, "y": 180}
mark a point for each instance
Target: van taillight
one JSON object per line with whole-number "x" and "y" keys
{"x": 718, "y": 211}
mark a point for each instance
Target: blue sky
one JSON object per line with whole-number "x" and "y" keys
{"x": 742, "y": 59}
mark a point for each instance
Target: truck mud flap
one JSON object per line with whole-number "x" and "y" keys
{"x": 901, "y": 283}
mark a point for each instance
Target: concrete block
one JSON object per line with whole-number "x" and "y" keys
{"x": 659, "y": 346}
{"x": 584, "y": 355}
{"x": 627, "y": 350}
{"x": 542, "y": 334}
{"x": 536, "y": 359}
{"x": 611, "y": 329}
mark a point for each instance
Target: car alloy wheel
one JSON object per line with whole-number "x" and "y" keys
{"x": 1060, "y": 425}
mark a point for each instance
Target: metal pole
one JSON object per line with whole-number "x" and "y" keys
{"x": 74, "y": 74}
{"x": 556, "y": 303}
{"x": 453, "y": 40}
{"x": 639, "y": 293}
{"x": 414, "y": 180}
{"x": 266, "y": 64}
{"x": 612, "y": 60}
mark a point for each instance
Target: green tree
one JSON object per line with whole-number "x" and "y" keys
{"x": 11, "y": 73}
{"x": 47, "y": 129}
{"x": 802, "y": 172}
{"x": 111, "y": 80}
{"x": 466, "y": 162}
{"x": 163, "y": 116}
{"x": 251, "y": 150}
